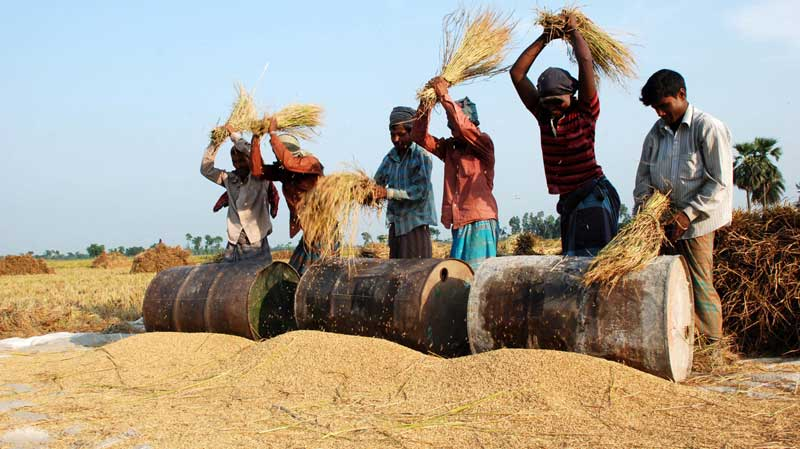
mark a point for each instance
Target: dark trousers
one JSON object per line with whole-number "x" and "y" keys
{"x": 589, "y": 218}
{"x": 412, "y": 245}
{"x": 698, "y": 253}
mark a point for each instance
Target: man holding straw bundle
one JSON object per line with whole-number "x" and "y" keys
{"x": 248, "y": 212}
{"x": 298, "y": 172}
{"x": 588, "y": 204}
{"x": 404, "y": 178}
{"x": 468, "y": 205}
{"x": 688, "y": 154}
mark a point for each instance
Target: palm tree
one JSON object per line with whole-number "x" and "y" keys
{"x": 756, "y": 174}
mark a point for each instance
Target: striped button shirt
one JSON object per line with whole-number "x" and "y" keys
{"x": 696, "y": 164}
{"x": 409, "y": 189}
{"x": 568, "y": 146}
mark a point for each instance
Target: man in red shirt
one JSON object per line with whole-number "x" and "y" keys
{"x": 588, "y": 204}
{"x": 468, "y": 206}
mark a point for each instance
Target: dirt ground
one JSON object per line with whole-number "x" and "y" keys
{"x": 313, "y": 389}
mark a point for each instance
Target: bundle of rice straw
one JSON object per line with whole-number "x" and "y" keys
{"x": 611, "y": 58}
{"x": 473, "y": 46}
{"x": 329, "y": 213}
{"x": 243, "y": 114}
{"x": 299, "y": 120}
{"x": 635, "y": 246}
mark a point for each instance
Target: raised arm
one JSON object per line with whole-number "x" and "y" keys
{"x": 519, "y": 72}
{"x": 420, "y": 134}
{"x": 298, "y": 164}
{"x": 587, "y": 89}
{"x": 207, "y": 168}
{"x": 462, "y": 126}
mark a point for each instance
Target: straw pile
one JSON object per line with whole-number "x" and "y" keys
{"x": 159, "y": 258}
{"x": 329, "y": 213}
{"x": 635, "y": 246}
{"x": 243, "y": 113}
{"x": 610, "y": 57}
{"x": 25, "y": 264}
{"x": 757, "y": 274}
{"x": 529, "y": 244}
{"x": 299, "y": 120}
{"x": 110, "y": 260}
{"x": 474, "y": 45}
{"x": 314, "y": 389}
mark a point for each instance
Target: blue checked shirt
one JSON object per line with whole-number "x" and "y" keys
{"x": 409, "y": 189}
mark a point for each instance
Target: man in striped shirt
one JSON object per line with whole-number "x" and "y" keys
{"x": 404, "y": 178}
{"x": 588, "y": 204}
{"x": 688, "y": 154}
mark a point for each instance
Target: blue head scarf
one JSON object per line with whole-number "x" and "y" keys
{"x": 469, "y": 109}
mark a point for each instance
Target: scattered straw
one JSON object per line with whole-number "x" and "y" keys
{"x": 610, "y": 57}
{"x": 474, "y": 46}
{"x": 242, "y": 115}
{"x": 159, "y": 258}
{"x": 25, "y": 264}
{"x": 757, "y": 274}
{"x": 329, "y": 213}
{"x": 635, "y": 246}
{"x": 110, "y": 260}
{"x": 299, "y": 120}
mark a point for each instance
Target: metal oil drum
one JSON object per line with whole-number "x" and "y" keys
{"x": 248, "y": 299}
{"x": 419, "y": 303}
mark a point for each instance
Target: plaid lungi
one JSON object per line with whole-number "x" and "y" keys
{"x": 475, "y": 242}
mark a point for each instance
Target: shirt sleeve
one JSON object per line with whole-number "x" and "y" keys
{"x": 207, "y": 168}
{"x": 479, "y": 143}
{"x": 381, "y": 176}
{"x": 591, "y": 106}
{"x": 715, "y": 145}
{"x": 420, "y": 180}
{"x": 642, "y": 187}
{"x": 302, "y": 164}
{"x": 420, "y": 135}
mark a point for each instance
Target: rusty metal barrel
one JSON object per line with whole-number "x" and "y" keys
{"x": 645, "y": 321}
{"x": 419, "y": 303}
{"x": 248, "y": 299}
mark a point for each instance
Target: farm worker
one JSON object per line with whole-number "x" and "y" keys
{"x": 298, "y": 171}
{"x": 687, "y": 154}
{"x": 248, "y": 212}
{"x": 468, "y": 206}
{"x": 404, "y": 178}
{"x": 588, "y": 204}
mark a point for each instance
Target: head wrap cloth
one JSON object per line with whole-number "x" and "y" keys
{"x": 555, "y": 81}
{"x": 401, "y": 115}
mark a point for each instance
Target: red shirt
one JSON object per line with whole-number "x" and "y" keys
{"x": 468, "y": 167}
{"x": 568, "y": 146}
{"x": 297, "y": 175}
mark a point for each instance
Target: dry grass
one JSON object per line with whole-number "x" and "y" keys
{"x": 312, "y": 389}
{"x": 159, "y": 258}
{"x": 111, "y": 260}
{"x": 757, "y": 274}
{"x": 243, "y": 113}
{"x": 25, "y": 264}
{"x": 441, "y": 250}
{"x": 637, "y": 244}
{"x": 610, "y": 57}
{"x": 329, "y": 214}
{"x": 474, "y": 45}
{"x": 76, "y": 298}
{"x": 529, "y": 244}
{"x": 299, "y": 120}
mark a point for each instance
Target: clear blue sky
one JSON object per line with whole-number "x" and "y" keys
{"x": 106, "y": 106}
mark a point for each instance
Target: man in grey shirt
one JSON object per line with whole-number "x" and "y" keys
{"x": 688, "y": 153}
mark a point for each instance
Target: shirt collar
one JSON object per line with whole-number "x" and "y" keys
{"x": 395, "y": 156}
{"x": 686, "y": 120}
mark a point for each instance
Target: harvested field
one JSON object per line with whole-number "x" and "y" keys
{"x": 111, "y": 260}
{"x": 528, "y": 244}
{"x": 757, "y": 274}
{"x": 311, "y": 389}
{"x": 159, "y": 258}
{"x": 26, "y": 264}
{"x": 441, "y": 250}
{"x": 76, "y": 298}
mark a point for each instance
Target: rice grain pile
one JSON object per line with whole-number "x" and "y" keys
{"x": 634, "y": 246}
{"x": 329, "y": 214}
{"x": 25, "y": 264}
{"x": 299, "y": 120}
{"x": 757, "y": 274}
{"x": 610, "y": 57}
{"x": 243, "y": 114}
{"x": 159, "y": 258}
{"x": 474, "y": 46}
{"x": 315, "y": 389}
{"x": 110, "y": 260}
